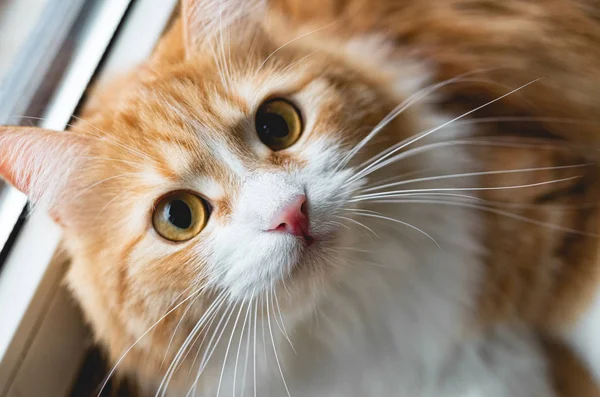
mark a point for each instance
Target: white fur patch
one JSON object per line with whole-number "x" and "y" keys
{"x": 585, "y": 337}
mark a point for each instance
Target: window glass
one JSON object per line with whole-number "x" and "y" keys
{"x": 17, "y": 20}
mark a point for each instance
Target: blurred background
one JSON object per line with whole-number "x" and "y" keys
{"x": 18, "y": 19}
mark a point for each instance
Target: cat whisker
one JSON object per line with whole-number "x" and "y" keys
{"x": 285, "y": 287}
{"x": 114, "y": 368}
{"x": 247, "y": 356}
{"x": 212, "y": 344}
{"x": 107, "y": 159}
{"x": 358, "y": 223}
{"x": 491, "y": 210}
{"x": 111, "y": 201}
{"x": 237, "y": 356}
{"x": 176, "y": 329}
{"x": 251, "y": 51}
{"x": 275, "y": 349}
{"x": 291, "y": 65}
{"x": 179, "y": 357}
{"x": 178, "y": 323}
{"x": 290, "y": 42}
{"x": 398, "y": 110}
{"x": 467, "y": 142}
{"x": 204, "y": 335}
{"x": 362, "y": 262}
{"x": 262, "y": 323}
{"x": 499, "y": 203}
{"x": 237, "y": 318}
{"x": 179, "y": 296}
{"x": 469, "y": 174}
{"x": 396, "y": 178}
{"x": 529, "y": 119}
{"x": 340, "y": 224}
{"x": 374, "y": 214}
{"x": 254, "y": 349}
{"x": 372, "y": 196}
{"x": 95, "y": 184}
{"x": 409, "y": 141}
{"x": 175, "y": 363}
{"x": 282, "y": 328}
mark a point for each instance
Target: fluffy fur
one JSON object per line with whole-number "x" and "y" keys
{"x": 436, "y": 274}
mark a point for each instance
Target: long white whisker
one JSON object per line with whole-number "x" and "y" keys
{"x": 175, "y": 331}
{"x": 284, "y": 331}
{"x": 494, "y": 211}
{"x": 262, "y": 312}
{"x": 398, "y": 110}
{"x": 467, "y": 142}
{"x": 248, "y": 320}
{"x": 462, "y": 175}
{"x": 209, "y": 354}
{"x": 275, "y": 350}
{"x": 358, "y": 223}
{"x": 254, "y": 354}
{"x": 237, "y": 318}
{"x": 291, "y": 65}
{"x": 114, "y": 368}
{"x": 290, "y": 42}
{"x": 505, "y": 204}
{"x": 374, "y": 215}
{"x": 208, "y": 322}
{"x": 93, "y": 185}
{"x": 409, "y": 141}
{"x": 460, "y": 189}
{"x": 177, "y": 359}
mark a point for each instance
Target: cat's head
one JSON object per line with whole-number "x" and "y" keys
{"x": 228, "y": 173}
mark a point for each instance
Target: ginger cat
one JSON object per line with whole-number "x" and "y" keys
{"x": 340, "y": 198}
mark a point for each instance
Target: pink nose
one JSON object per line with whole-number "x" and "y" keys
{"x": 293, "y": 219}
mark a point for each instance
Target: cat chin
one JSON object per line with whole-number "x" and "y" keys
{"x": 297, "y": 270}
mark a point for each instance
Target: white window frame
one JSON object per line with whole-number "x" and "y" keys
{"x": 42, "y": 339}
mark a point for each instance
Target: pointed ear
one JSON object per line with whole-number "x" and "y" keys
{"x": 38, "y": 162}
{"x": 204, "y": 20}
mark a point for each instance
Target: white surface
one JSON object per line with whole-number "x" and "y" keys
{"x": 21, "y": 276}
{"x": 585, "y": 339}
{"x": 12, "y": 203}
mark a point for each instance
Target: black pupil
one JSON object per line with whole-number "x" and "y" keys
{"x": 179, "y": 214}
{"x": 272, "y": 125}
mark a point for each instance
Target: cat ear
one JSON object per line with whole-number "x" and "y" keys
{"x": 38, "y": 162}
{"x": 205, "y": 19}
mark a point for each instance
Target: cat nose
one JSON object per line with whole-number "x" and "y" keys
{"x": 293, "y": 219}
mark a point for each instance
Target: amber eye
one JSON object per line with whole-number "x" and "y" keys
{"x": 180, "y": 216}
{"x": 278, "y": 124}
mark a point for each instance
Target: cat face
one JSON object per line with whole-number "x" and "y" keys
{"x": 209, "y": 142}
{"x": 254, "y": 148}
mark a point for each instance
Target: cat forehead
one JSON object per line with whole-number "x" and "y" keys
{"x": 191, "y": 129}
{"x": 197, "y": 124}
